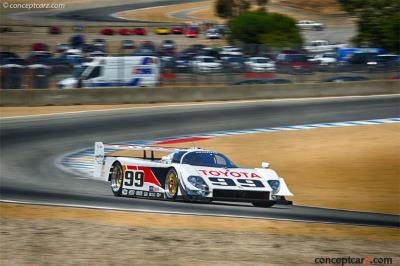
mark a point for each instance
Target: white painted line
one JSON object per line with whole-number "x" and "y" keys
{"x": 93, "y": 207}
{"x": 202, "y": 104}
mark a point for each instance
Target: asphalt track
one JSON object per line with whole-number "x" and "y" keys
{"x": 30, "y": 146}
{"x": 100, "y": 14}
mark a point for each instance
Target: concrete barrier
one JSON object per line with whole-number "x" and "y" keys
{"x": 185, "y": 94}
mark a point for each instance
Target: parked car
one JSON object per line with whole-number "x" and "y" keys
{"x": 345, "y": 53}
{"x": 197, "y": 48}
{"x": 206, "y": 64}
{"x": 13, "y": 61}
{"x": 293, "y": 62}
{"x": 72, "y": 56}
{"x": 99, "y": 40}
{"x": 162, "y": 31}
{"x": 213, "y": 34}
{"x": 124, "y": 32}
{"x": 44, "y": 58}
{"x": 344, "y": 79}
{"x": 61, "y": 47}
{"x": 139, "y": 31}
{"x": 79, "y": 28}
{"x": 54, "y": 30}
{"x": 127, "y": 44}
{"x": 324, "y": 59}
{"x": 40, "y": 47}
{"x": 228, "y": 51}
{"x": 148, "y": 45}
{"x": 146, "y": 48}
{"x": 90, "y": 48}
{"x": 96, "y": 54}
{"x": 182, "y": 63}
{"x": 178, "y": 30}
{"x": 99, "y": 44}
{"x": 260, "y": 64}
{"x": 319, "y": 46}
{"x": 309, "y": 25}
{"x": 6, "y": 56}
{"x": 222, "y": 29}
{"x": 234, "y": 63}
{"x": 384, "y": 61}
{"x": 192, "y": 32}
{"x": 362, "y": 58}
{"x": 168, "y": 44}
{"x": 107, "y": 31}
{"x": 77, "y": 41}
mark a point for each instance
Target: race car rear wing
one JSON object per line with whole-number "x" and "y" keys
{"x": 99, "y": 152}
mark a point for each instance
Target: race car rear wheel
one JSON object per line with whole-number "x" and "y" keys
{"x": 117, "y": 178}
{"x": 263, "y": 204}
{"x": 171, "y": 184}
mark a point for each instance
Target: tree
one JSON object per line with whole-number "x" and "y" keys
{"x": 262, "y": 4}
{"x": 223, "y": 8}
{"x": 378, "y": 22}
{"x": 231, "y": 8}
{"x": 269, "y": 29}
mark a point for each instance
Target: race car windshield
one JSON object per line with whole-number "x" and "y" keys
{"x": 209, "y": 159}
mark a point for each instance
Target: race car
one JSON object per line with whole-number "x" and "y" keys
{"x": 190, "y": 174}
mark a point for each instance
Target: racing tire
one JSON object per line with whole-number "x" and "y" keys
{"x": 171, "y": 184}
{"x": 263, "y": 204}
{"x": 117, "y": 179}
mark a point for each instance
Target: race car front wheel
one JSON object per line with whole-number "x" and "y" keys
{"x": 117, "y": 178}
{"x": 171, "y": 184}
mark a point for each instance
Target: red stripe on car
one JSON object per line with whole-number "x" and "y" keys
{"x": 149, "y": 176}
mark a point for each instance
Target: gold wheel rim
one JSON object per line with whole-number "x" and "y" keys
{"x": 172, "y": 183}
{"x": 118, "y": 177}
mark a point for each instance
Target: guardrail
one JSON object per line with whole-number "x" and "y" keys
{"x": 192, "y": 94}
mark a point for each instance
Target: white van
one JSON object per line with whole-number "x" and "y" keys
{"x": 115, "y": 72}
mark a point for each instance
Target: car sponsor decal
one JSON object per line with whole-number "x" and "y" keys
{"x": 142, "y": 193}
{"x": 149, "y": 176}
{"x": 228, "y": 173}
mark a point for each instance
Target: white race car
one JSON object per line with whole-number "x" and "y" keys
{"x": 190, "y": 174}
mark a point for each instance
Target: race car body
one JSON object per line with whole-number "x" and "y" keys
{"x": 190, "y": 174}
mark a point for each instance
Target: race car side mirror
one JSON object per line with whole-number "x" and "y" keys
{"x": 264, "y": 165}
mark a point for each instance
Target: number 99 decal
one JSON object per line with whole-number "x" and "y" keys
{"x": 134, "y": 179}
{"x": 250, "y": 183}
{"x": 227, "y": 182}
{"x": 220, "y": 181}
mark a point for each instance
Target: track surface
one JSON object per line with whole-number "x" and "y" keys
{"x": 100, "y": 14}
{"x": 30, "y": 146}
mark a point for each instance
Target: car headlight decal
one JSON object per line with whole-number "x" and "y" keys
{"x": 198, "y": 182}
{"x": 275, "y": 185}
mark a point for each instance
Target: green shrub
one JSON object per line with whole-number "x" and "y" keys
{"x": 270, "y": 29}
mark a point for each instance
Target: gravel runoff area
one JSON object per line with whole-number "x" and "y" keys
{"x": 37, "y": 235}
